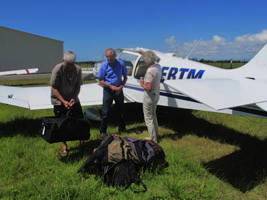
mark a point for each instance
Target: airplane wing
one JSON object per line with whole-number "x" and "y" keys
{"x": 39, "y": 97}
{"x": 31, "y": 98}
{"x": 19, "y": 72}
{"x": 222, "y": 93}
{"x": 262, "y": 105}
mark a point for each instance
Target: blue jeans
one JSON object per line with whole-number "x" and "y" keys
{"x": 108, "y": 97}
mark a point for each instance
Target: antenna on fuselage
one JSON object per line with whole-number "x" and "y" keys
{"x": 196, "y": 43}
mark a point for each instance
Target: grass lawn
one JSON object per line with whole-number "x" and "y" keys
{"x": 211, "y": 156}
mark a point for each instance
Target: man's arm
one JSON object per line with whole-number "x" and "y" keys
{"x": 101, "y": 75}
{"x": 124, "y": 80}
{"x": 78, "y": 84}
{"x": 146, "y": 85}
{"x": 102, "y": 83}
{"x": 124, "y": 74}
{"x": 54, "y": 82}
{"x": 56, "y": 93}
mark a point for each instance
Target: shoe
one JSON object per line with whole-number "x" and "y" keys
{"x": 63, "y": 151}
{"x": 147, "y": 138}
{"x": 120, "y": 130}
{"x": 82, "y": 143}
{"x": 103, "y": 135}
{"x": 138, "y": 132}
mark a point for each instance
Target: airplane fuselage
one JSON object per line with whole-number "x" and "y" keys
{"x": 174, "y": 68}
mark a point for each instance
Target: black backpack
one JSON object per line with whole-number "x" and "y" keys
{"x": 122, "y": 174}
{"x": 151, "y": 155}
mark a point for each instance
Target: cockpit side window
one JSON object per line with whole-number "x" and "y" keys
{"x": 140, "y": 69}
{"x": 129, "y": 67}
{"x": 129, "y": 61}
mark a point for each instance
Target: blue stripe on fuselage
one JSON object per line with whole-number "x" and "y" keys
{"x": 166, "y": 94}
{"x": 174, "y": 73}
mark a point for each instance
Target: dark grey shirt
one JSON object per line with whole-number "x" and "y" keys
{"x": 67, "y": 79}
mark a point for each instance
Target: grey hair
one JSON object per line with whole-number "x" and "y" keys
{"x": 69, "y": 56}
{"x": 112, "y": 50}
{"x": 150, "y": 57}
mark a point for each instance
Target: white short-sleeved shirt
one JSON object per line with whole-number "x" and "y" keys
{"x": 153, "y": 75}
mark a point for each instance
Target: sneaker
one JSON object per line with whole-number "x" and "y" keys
{"x": 147, "y": 138}
{"x": 120, "y": 130}
{"x": 63, "y": 151}
{"x": 103, "y": 135}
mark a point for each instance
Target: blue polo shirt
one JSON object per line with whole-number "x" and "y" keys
{"x": 112, "y": 73}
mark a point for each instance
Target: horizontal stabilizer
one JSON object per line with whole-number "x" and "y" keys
{"x": 222, "y": 93}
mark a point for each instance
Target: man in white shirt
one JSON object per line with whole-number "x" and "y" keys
{"x": 151, "y": 85}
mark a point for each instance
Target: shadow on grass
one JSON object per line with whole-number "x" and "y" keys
{"x": 243, "y": 169}
{"x": 32, "y": 127}
{"x": 137, "y": 130}
{"x": 21, "y": 126}
{"x": 81, "y": 151}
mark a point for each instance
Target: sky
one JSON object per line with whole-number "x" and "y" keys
{"x": 214, "y": 29}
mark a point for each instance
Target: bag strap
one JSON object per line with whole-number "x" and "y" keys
{"x": 139, "y": 182}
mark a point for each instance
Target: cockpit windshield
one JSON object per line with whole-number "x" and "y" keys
{"x": 129, "y": 61}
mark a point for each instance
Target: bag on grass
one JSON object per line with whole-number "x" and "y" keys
{"x": 121, "y": 174}
{"x": 120, "y": 161}
{"x": 150, "y": 154}
{"x": 61, "y": 129}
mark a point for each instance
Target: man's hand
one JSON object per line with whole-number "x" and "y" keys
{"x": 115, "y": 88}
{"x": 71, "y": 102}
{"x": 66, "y": 104}
{"x": 146, "y": 85}
{"x": 141, "y": 82}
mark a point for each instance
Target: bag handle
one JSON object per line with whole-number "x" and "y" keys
{"x": 68, "y": 113}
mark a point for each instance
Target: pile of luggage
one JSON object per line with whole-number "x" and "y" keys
{"x": 119, "y": 161}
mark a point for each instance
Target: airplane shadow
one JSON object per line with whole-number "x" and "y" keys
{"x": 21, "y": 126}
{"x": 32, "y": 127}
{"x": 243, "y": 169}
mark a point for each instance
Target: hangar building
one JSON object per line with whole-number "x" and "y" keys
{"x": 21, "y": 50}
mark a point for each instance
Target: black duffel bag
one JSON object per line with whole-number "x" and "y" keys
{"x": 66, "y": 128}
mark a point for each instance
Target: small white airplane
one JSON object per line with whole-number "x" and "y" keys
{"x": 188, "y": 84}
{"x": 19, "y": 72}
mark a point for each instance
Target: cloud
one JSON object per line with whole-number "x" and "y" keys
{"x": 241, "y": 47}
{"x": 171, "y": 41}
{"x": 218, "y": 39}
{"x": 255, "y": 38}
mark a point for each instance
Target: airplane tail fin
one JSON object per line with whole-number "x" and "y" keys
{"x": 258, "y": 62}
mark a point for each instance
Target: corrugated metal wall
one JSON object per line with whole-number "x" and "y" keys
{"x": 20, "y": 50}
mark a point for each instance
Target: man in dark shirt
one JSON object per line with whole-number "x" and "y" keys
{"x": 112, "y": 77}
{"x": 66, "y": 80}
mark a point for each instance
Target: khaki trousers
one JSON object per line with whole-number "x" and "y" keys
{"x": 149, "y": 108}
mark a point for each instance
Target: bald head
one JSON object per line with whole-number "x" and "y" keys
{"x": 110, "y": 55}
{"x": 69, "y": 57}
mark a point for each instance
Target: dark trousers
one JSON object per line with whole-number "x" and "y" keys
{"x": 108, "y": 97}
{"x": 74, "y": 111}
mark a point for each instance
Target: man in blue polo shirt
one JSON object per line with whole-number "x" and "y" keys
{"x": 112, "y": 77}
